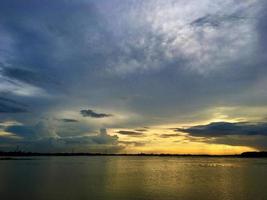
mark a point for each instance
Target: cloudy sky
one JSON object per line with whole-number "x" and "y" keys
{"x": 161, "y": 76}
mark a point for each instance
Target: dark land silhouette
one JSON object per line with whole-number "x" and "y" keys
{"x": 254, "y": 154}
{"x": 35, "y": 154}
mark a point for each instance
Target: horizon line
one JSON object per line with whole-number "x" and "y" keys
{"x": 28, "y": 154}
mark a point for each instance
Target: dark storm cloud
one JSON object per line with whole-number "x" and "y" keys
{"x": 29, "y": 76}
{"x": 37, "y": 138}
{"x": 132, "y": 133}
{"x": 22, "y": 75}
{"x": 221, "y": 129}
{"x": 11, "y": 109}
{"x": 32, "y": 132}
{"x": 23, "y": 131}
{"x": 11, "y": 106}
{"x": 7, "y": 100}
{"x": 93, "y": 114}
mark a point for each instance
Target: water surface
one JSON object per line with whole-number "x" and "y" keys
{"x": 133, "y": 178}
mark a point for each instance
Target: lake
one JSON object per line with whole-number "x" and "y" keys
{"x": 133, "y": 178}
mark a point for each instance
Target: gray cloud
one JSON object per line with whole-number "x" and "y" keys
{"x": 107, "y": 144}
{"x": 69, "y": 120}
{"x": 11, "y": 101}
{"x": 220, "y": 129}
{"x": 23, "y": 131}
{"x": 134, "y": 143}
{"x": 169, "y": 135}
{"x": 89, "y": 140}
{"x": 258, "y": 141}
{"x": 132, "y": 133}
{"x": 33, "y": 132}
{"x": 93, "y": 114}
{"x": 218, "y": 20}
{"x": 39, "y": 138}
{"x": 24, "y": 75}
{"x": 164, "y": 65}
{"x": 262, "y": 30}
{"x": 11, "y": 109}
{"x": 234, "y": 134}
{"x": 141, "y": 130}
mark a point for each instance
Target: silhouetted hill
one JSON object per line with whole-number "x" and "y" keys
{"x": 254, "y": 154}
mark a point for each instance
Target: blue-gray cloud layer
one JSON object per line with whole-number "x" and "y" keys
{"x": 158, "y": 61}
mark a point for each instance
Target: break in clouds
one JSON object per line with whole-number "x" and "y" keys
{"x": 133, "y": 64}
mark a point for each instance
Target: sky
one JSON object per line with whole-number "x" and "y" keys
{"x": 116, "y": 76}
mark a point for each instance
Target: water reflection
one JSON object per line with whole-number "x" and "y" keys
{"x": 133, "y": 178}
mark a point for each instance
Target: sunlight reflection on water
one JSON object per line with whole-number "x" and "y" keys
{"x": 133, "y": 178}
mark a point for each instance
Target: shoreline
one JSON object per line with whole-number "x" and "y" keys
{"x": 34, "y": 154}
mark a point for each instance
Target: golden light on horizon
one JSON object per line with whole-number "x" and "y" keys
{"x": 165, "y": 140}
